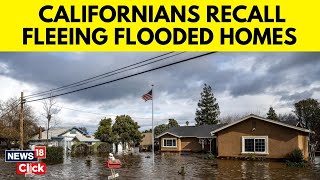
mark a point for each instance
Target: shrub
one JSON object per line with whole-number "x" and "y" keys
{"x": 295, "y": 156}
{"x": 80, "y": 149}
{"x": 209, "y": 156}
{"x": 101, "y": 147}
{"x": 295, "y": 164}
{"x": 295, "y": 159}
{"x": 251, "y": 157}
{"x": 54, "y": 155}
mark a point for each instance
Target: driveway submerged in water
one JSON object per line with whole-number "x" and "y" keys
{"x": 166, "y": 166}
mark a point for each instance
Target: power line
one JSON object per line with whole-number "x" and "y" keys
{"x": 109, "y": 115}
{"x": 118, "y": 79}
{"x": 102, "y": 114}
{"x": 88, "y": 79}
{"x": 105, "y": 115}
{"x": 115, "y": 73}
{"x": 71, "y": 109}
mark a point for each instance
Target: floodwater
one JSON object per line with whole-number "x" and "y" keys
{"x": 166, "y": 166}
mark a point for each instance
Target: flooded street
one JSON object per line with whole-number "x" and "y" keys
{"x": 167, "y": 165}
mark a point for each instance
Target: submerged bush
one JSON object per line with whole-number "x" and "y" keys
{"x": 54, "y": 155}
{"x": 80, "y": 149}
{"x": 101, "y": 147}
{"x": 295, "y": 158}
{"x": 209, "y": 156}
{"x": 251, "y": 156}
{"x": 254, "y": 157}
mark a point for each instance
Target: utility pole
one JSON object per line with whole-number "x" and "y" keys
{"x": 152, "y": 128}
{"x": 21, "y": 121}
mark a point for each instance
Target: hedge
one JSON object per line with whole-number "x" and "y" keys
{"x": 80, "y": 149}
{"x": 101, "y": 147}
{"x": 54, "y": 155}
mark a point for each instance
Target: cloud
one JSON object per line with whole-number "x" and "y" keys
{"x": 241, "y": 82}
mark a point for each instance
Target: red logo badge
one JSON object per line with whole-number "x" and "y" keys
{"x": 31, "y": 168}
{"x": 40, "y": 152}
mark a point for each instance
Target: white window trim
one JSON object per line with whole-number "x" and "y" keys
{"x": 169, "y": 139}
{"x": 266, "y": 152}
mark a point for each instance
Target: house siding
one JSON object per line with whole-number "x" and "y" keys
{"x": 178, "y": 148}
{"x": 303, "y": 144}
{"x": 190, "y": 144}
{"x": 281, "y": 140}
{"x": 183, "y": 144}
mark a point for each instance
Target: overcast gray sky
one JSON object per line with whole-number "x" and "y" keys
{"x": 241, "y": 82}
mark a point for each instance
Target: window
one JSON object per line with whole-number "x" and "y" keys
{"x": 169, "y": 142}
{"x": 255, "y": 144}
{"x": 73, "y": 132}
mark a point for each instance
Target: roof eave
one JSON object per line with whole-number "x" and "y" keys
{"x": 263, "y": 119}
{"x": 167, "y": 133}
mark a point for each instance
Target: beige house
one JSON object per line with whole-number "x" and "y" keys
{"x": 189, "y": 138}
{"x": 249, "y": 135}
{"x": 261, "y": 137}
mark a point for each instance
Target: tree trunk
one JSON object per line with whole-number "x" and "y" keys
{"x": 123, "y": 146}
{"x": 116, "y": 145}
{"x": 48, "y": 135}
{"x": 49, "y": 117}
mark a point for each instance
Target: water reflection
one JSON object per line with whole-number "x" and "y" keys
{"x": 167, "y": 165}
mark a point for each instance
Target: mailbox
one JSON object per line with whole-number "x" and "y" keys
{"x": 113, "y": 164}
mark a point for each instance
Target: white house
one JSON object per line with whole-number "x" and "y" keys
{"x": 58, "y": 137}
{"x": 90, "y": 140}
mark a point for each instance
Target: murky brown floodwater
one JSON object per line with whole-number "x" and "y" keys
{"x": 167, "y": 167}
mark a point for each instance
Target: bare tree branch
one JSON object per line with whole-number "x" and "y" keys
{"x": 49, "y": 112}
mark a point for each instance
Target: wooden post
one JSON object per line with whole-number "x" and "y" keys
{"x": 210, "y": 140}
{"x": 202, "y": 143}
{"x": 216, "y": 145}
{"x": 21, "y": 121}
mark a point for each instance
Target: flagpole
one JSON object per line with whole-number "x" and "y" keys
{"x": 152, "y": 127}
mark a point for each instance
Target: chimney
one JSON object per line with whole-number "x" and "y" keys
{"x": 40, "y": 132}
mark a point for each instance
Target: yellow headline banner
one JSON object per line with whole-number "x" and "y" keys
{"x": 159, "y": 25}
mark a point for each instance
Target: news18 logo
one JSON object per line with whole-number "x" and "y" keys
{"x": 28, "y": 160}
{"x": 31, "y": 168}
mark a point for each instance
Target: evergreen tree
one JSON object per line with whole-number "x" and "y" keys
{"x": 308, "y": 113}
{"x": 172, "y": 123}
{"x": 272, "y": 114}
{"x": 126, "y": 130}
{"x": 208, "y": 109}
{"x": 164, "y": 127}
{"x": 104, "y": 132}
{"x": 160, "y": 129}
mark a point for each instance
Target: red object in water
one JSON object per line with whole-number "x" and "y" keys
{"x": 113, "y": 164}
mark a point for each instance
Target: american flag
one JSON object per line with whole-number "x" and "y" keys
{"x": 147, "y": 96}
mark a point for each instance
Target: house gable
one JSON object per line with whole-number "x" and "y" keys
{"x": 72, "y": 132}
{"x": 167, "y": 136}
{"x": 279, "y": 140}
{"x": 165, "y": 133}
{"x": 261, "y": 119}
